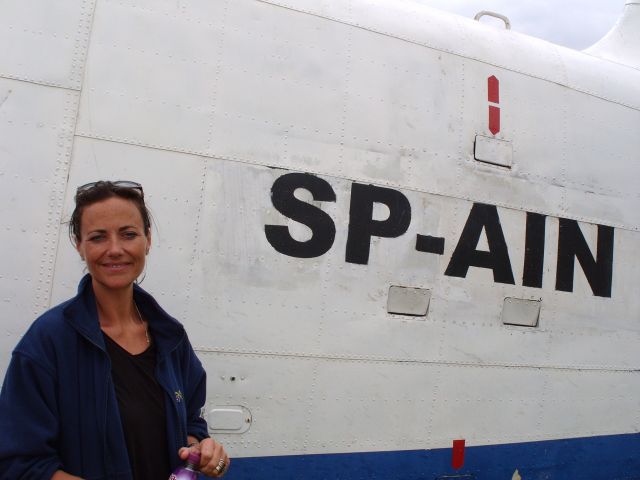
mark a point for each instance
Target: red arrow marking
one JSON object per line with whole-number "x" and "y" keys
{"x": 494, "y": 119}
{"x": 493, "y": 85}
{"x": 493, "y": 95}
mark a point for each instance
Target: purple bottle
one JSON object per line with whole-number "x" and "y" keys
{"x": 189, "y": 471}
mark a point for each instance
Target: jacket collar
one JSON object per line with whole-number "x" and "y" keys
{"x": 82, "y": 314}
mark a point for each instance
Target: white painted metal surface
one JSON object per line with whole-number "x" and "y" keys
{"x": 208, "y": 103}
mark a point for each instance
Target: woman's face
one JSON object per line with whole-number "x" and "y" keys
{"x": 113, "y": 243}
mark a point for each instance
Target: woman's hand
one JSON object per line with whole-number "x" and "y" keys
{"x": 60, "y": 475}
{"x": 214, "y": 461}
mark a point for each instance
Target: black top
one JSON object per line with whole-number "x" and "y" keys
{"x": 142, "y": 410}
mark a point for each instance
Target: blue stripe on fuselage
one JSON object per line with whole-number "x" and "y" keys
{"x": 614, "y": 457}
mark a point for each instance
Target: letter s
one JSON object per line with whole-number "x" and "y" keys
{"x": 322, "y": 227}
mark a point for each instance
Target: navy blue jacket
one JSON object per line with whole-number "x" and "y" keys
{"x": 58, "y": 407}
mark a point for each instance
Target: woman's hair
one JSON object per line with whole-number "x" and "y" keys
{"x": 98, "y": 191}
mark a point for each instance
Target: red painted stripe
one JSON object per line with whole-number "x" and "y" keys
{"x": 457, "y": 455}
{"x": 494, "y": 119}
{"x": 493, "y": 88}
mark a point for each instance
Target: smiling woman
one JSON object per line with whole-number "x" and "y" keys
{"x": 112, "y": 232}
{"x": 89, "y": 389}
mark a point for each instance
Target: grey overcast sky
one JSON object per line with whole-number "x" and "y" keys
{"x": 576, "y": 24}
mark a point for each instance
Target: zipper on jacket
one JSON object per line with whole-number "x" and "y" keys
{"x": 109, "y": 384}
{"x": 181, "y": 435}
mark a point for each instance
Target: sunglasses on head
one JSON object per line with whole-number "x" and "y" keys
{"x": 117, "y": 184}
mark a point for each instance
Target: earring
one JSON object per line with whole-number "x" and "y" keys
{"x": 138, "y": 281}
